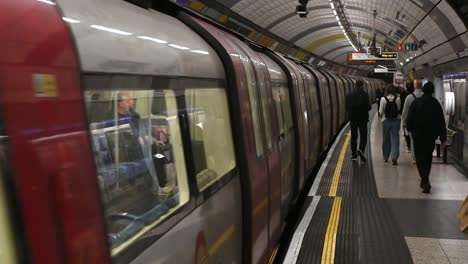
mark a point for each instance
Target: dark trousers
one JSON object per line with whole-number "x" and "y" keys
{"x": 423, "y": 149}
{"x": 360, "y": 126}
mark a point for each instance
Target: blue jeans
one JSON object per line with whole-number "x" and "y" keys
{"x": 391, "y": 138}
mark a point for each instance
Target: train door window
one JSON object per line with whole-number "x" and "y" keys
{"x": 277, "y": 97}
{"x": 253, "y": 99}
{"x": 138, "y": 152}
{"x": 210, "y": 132}
{"x": 265, "y": 110}
{"x": 286, "y": 102}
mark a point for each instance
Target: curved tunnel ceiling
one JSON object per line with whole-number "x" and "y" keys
{"x": 433, "y": 22}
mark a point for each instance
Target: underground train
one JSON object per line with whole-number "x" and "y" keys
{"x": 133, "y": 136}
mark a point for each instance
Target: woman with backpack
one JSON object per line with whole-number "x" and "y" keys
{"x": 390, "y": 113}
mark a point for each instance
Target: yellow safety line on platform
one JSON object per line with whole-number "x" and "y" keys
{"x": 328, "y": 253}
{"x": 273, "y": 256}
{"x": 339, "y": 165}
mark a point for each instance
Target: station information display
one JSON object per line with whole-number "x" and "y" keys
{"x": 360, "y": 58}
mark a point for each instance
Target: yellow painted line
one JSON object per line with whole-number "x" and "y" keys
{"x": 221, "y": 240}
{"x": 328, "y": 253}
{"x": 273, "y": 256}
{"x": 339, "y": 165}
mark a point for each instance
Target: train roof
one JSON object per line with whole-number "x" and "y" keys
{"x": 160, "y": 44}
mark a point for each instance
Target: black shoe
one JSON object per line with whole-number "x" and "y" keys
{"x": 385, "y": 160}
{"x": 421, "y": 185}
{"x": 361, "y": 155}
{"x": 354, "y": 157}
{"x": 427, "y": 190}
{"x": 394, "y": 162}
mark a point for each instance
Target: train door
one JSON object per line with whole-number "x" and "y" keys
{"x": 50, "y": 155}
{"x": 296, "y": 84}
{"x": 270, "y": 132}
{"x": 245, "y": 106}
{"x": 314, "y": 117}
{"x": 325, "y": 105}
{"x": 334, "y": 102}
{"x": 285, "y": 139}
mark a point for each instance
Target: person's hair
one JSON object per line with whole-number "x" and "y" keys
{"x": 120, "y": 95}
{"x": 359, "y": 84}
{"x": 390, "y": 89}
{"x": 417, "y": 84}
{"x": 409, "y": 87}
{"x": 428, "y": 88}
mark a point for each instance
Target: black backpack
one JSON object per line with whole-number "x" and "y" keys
{"x": 391, "y": 109}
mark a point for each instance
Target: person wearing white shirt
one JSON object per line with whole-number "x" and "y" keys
{"x": 389, "y": 111}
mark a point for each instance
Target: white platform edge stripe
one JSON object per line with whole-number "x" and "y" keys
{"x": 318, "y": 179}
{"x": 296, "y": 241}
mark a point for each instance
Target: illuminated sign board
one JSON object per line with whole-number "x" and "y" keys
{"x": 387, "y": 70}
{"x": 360, "y": 59}
{"x": 365, "y": 56}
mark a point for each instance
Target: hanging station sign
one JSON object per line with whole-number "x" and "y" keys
{"x": 366, "y": 56}
{"x": 359, "y": 58}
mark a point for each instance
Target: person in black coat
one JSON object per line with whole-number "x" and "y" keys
{"x": 426, "y": 122}
{"x": 358, "y": 106}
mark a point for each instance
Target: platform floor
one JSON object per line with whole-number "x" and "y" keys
{"x": 375, "y": 212}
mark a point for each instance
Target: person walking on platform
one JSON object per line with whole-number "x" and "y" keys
{"x": 426, "y": 122}
{"x": 389, "y": 111}
{"x": 358, "y": 106}
{"x": 414, "y": 92}
{"x": 409, "y": 92}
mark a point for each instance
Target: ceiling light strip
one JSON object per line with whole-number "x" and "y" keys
{"x": 340, "y": 15}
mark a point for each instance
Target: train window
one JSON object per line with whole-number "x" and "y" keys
{"x": 288, "y": 119}
{"x": 139, "y": 157}
{"x": 210, "y": 132}
{"x": 283, "y": 106}
{"x": 266, "y": 112}
{"x": 277, "y": 97}
{"x": 253, "y": 98}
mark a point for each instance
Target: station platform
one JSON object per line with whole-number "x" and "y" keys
{"x": 375, "y": 212}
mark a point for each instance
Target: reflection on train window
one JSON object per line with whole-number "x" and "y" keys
{"x": 265, "y": 111}
{"x": 210, "y": 133}
{"x": 283, "y": 106}
{"x": 139, "y": 158}
{"x": 277, "y": 97}
{"x": 253, "y": 98}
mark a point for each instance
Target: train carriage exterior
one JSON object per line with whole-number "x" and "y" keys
{"x": 126, "y": 142}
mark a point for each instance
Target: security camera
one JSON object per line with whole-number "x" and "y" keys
{"x": 301, "y": 10}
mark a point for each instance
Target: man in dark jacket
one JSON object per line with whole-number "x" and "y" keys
{"x": 426, "y": 123}
{"x": 358, "y": 106}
